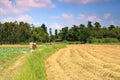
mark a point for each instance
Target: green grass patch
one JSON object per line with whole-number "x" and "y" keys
{"x": 8, "y": 55}
{"x": 33, "y": 69}
{"x": 8, "y": 52}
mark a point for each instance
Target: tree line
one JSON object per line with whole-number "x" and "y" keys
{"x": 91, "y": 33}
{"x": 21, "y": 32}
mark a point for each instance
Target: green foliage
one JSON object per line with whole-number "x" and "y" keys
{"x": 73, "y": 42}
{"x": 65, "y": 41}
{"x": 51, "y": 37}
{"x": 34, "y": 65}
{"x": 6, "y": 52}
{"x": 90, "y": 26}
{"x": 111, "y": 27}
{"x": 38, "y": 34}
{"x": 14, "y": 32}
{"x": 103, "y": 40}
{"x": 56, "y": 33}
{"x": 84, "y": 35}
{"x": 8, "y": 55}
{"x": 97, "y": 26}
{"x": 91, "y": 33}
{"x": 64, "y": 33}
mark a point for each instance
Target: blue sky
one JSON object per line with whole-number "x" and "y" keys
{"x": 60, "y": 13}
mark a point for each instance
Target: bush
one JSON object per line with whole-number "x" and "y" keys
{"x": 90, "y": 40}
{"x": 103, "y": 40}
{"x": 110, "y": 40}
{"x": 65, "y": 41}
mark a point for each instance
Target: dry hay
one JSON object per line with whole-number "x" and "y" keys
{"x": 84, "y": 62}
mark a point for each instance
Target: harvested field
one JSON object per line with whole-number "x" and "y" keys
{"x": 84, "y": 62}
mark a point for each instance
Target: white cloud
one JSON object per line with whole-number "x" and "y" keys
{"x": 113, "y": 23}
{"x": 107, "y": 15}
{"x": 70, "y": 19}
{"x": 82, "y": 1}
{"x": 18, "y": 6}
{"x": 93, "y": 18}
{"x": 2, "y": 11}
{"x": 6, "y": 7}
{"x": 56, "y": 26}
{"x": 67, "y": 16}
{"x": 54, "y": 17}
{"x": 88, "y": 17}
{"x": 63, "y": 16}
{"x": 25, "y": 18}
{"x": 81, "y": 16}
{"x": 35, "y": 3}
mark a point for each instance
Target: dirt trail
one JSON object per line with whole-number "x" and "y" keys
{"x": 84, "y": 62}
{"x": 13, "y": 69}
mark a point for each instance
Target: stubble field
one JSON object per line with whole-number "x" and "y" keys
{"x": 84, "y": 62}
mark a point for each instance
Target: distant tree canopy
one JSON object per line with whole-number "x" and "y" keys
{"x": 17, "y": 32}
{"x": 84, "y": 33}
{"x": 14, "y": 32}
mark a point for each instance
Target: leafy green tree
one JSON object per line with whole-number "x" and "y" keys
{"x": 111, "y": 27}
{"x": 50, "y": 31}
{"x": 75, "y": 32}
{"x": 70, "y": 36}
{"x": 64, "y": 33}
{"x": 6, "y": 31}
{"x": 24, "y": 31}
{"x": 82, "y": 26}
{"x": 51, "y": 36}
{"x": 38, "y": 34}
{"x": 1, "y": 32}
{"x": 17, "y": 32}
{"x": 14, "y": 36}
{"x": 43, "y": 26}
{"x": 97, "y": 26}
{"x": 89, "y": 25}
{"x": 103, "y": 33}
{"x": 56, "y": 33}
{"x": 84, "y": 35}
{"x": 115, "y": 33}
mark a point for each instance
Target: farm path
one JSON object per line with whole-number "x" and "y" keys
{"x": 11, "y": 70}
{"x": 84, "y": 62}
